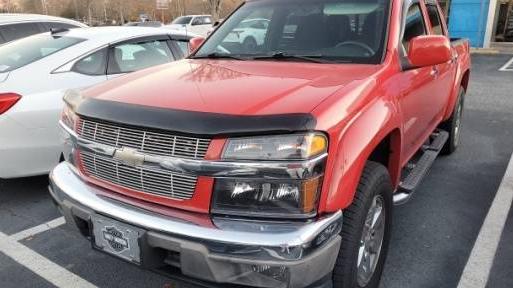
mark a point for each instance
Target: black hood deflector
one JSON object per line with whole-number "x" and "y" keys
{"x": 191, "y": 122}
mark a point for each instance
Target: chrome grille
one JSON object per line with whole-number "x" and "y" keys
{"x": 164, "y": 144}
{"x": 154, "y": 181}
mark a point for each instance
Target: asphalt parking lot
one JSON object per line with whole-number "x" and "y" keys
{"x": 433, "y": 235}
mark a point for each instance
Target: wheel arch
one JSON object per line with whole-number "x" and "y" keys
{"x": 375, "y": 137}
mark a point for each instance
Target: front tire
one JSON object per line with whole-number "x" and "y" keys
{"x": 366, "y": 231}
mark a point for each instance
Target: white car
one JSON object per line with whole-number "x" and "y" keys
{"x": 250, "y": 33}
{"x": 16, "y": 26}
{"x": 195, "y": 24}
{"x": 36, "y": 71}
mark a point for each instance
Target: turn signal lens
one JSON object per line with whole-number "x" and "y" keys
{"x": 317, "y": 144}
{"x": 8, "y": 100}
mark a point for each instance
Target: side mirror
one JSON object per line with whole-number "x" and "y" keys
{"x": 195, "y": 43}
{"x": 429, "y": 50}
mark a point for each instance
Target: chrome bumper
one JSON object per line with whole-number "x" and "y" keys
{"x": 307, "y": 250}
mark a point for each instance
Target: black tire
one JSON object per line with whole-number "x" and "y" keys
{"x": 453, "y": 125}
{"x": 374, "y": 183}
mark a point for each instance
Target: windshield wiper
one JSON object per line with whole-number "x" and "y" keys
{"x": 285, "y": 56}
{"x": 216, "y": 55}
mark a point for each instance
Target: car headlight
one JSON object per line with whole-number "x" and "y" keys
{"x": 266, "y": 198}
{"x": 283, "y": 147}
{"x": 71, "y": 99}
{"x": 270, "y": 196}
{"x": 68, "y": 117}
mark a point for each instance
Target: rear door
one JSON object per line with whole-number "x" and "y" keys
{"x": 445, "y": 73}
{"x": 137, "y": 54}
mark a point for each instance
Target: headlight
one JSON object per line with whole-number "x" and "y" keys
{"x": 72, "y": 99}
{"x": 266, "y": 198}
{"x": 68, "y": 117}
{"x": 284, "y": 147}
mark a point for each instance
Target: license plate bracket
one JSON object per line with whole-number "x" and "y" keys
{"x": 116, "y": 238}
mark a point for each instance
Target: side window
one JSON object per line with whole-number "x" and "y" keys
{"x": 415, "y": 25}
{"x": 94, "y": 64}
{"x": 197, "y": 21}
{"x": 434, "y": 18}
{"x": 130, "y": 57}
{"x": 57, "y": 25}
{"x": 183, "y": 45}
{"x": 17, "y": 31}
{"x": 207, "y": 20}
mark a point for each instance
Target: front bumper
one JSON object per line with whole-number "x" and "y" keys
{"x": 224, "y": 251}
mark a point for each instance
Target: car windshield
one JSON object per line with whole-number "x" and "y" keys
{"x": 22, "y": 52}
{"x": 331, "y": 30}
{"x": 182, "y": 20}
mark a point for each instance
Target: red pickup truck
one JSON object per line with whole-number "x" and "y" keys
{"x": 271, "y": 156}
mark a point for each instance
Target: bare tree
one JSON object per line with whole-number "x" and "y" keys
{"x": 215, "y": 8}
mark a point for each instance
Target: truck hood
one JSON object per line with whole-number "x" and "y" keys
{"x": 232, "y": 87}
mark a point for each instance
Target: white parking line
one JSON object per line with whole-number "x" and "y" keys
{"x": 41, "y": 266}
{"x": 480, "y": 262}
{"x": 38, "y": 229}
{"x": 507, "y": 67}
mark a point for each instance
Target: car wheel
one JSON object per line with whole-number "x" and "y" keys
{"x": 249, "y": 44}
{"x": 366, "y": 231}
{"x": 453, "y": 125}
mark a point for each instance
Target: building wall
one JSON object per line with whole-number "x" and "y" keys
{"x": 468, "y": 19}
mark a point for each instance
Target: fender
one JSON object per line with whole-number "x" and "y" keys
{"x": 352, "y": 142}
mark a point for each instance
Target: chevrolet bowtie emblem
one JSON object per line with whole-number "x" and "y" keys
{"x": 129, "y": 156}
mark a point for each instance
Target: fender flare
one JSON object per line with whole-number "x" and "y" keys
{"x": 357, "y": 142}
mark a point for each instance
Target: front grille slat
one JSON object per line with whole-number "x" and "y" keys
{"x": 140, "y": 178}
{"x": 163, "y": 183}
{"x": 145, "y": 141}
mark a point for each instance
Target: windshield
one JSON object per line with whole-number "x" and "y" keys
{"x": 336, "y": 30}
{"x": 182, "y": 20}
{"x": 19, "y": 53}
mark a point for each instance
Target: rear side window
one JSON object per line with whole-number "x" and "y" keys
{"x": 182, "y": 20}
{"x": 414, "y": 25}
{"x": 131, "y": 57}
{"x": 94, "y": 64}
{"x": 58, "y": 25}
{"x": 202, "y": 20}
{"x": 434, "y": 18}
{"x": 16, "y": 31}
{"x": 25, "y": 51}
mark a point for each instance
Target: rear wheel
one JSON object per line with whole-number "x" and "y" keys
{"x": 453, "y": 125}
{"x": 366, "y": 231}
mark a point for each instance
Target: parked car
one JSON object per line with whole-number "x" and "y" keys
{"x": 274, "y": 167}
{"x": 16, "y": 26}
{"x": 36, "y": 71}
{"x": 195, "y": 24}
{"x": 154, "y": 24}
{"x": 250, "y": 33}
